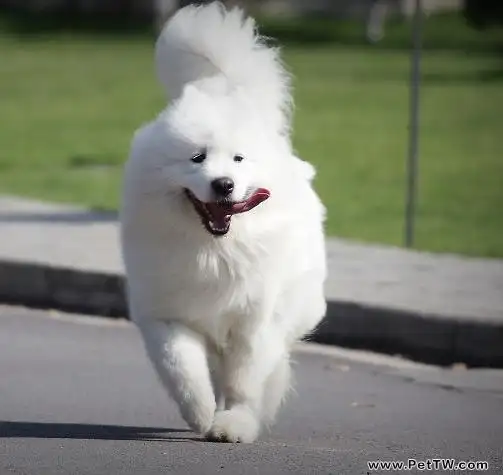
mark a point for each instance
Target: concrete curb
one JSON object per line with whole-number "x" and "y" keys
{"x": 423, "y": 337}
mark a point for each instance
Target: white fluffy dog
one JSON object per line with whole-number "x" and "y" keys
{"x": 222, "y": 233}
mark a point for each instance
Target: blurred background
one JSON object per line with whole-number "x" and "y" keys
{"x": 77, "y": 78}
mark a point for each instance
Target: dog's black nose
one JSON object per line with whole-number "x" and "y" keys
{"x": 222, "y": 186}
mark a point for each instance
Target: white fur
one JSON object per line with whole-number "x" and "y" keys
{"x": 219, "y": 315}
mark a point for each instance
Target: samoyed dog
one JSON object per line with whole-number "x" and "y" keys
{"x": 222, "y": 233}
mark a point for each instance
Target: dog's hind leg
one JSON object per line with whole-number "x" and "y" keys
{"x": 180, "y": 357}
{"x": 275, "y": 390}
{"x": 215, "y": 363}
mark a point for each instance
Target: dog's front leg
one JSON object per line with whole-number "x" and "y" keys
{"x": 248, "y": 362}
{"x": 180, "y": 357}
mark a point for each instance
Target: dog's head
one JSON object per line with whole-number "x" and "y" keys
{"x": 217, "y": 155}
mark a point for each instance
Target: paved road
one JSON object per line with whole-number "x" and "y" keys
{"x": 77, "y": 396}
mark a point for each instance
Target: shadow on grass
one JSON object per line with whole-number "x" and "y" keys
{"x": 441, "y": 32}
{"x": 44, "y": 430}
{"x": 93, "y": 161}
{"x": 449, "y": 78}
{"x": 26, "y": 25}
{"x": 441, "y": 78}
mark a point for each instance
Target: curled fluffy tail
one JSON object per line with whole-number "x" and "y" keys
{"x": 201, "y": 42}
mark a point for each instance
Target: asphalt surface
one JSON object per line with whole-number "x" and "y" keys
{"x": 77, "y": 396}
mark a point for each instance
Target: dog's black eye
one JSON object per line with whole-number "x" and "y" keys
{"x": 199, "y": 157}
{"x": 238, "y": 158}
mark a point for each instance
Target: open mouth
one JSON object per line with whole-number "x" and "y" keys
{"x": 216, "y": 215}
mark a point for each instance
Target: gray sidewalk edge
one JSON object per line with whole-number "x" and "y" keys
{"x": 423, "y": 337}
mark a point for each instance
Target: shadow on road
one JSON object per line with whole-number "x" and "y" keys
{"x": 76, "y": 217}
{"x": 43, "y": 430}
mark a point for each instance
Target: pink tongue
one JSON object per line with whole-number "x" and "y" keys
{"x": 221, "y": 214}
{"x": 261, "y": 194}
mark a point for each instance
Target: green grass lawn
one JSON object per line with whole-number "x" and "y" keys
{"x": 70, "y": 103}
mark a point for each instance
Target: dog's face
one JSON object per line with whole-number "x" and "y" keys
{"x": 216, "y": 157}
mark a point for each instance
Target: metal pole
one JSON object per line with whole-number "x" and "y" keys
{"x": 412, "y": 159}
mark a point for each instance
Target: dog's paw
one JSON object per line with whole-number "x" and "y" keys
{"x": 238, "y": 424}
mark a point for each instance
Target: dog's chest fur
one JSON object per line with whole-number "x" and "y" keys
{"x": 212, "y": 287}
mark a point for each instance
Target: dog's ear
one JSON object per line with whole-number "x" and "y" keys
{"x": 191, "y": 92}
{"x": 192, "y": 97}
